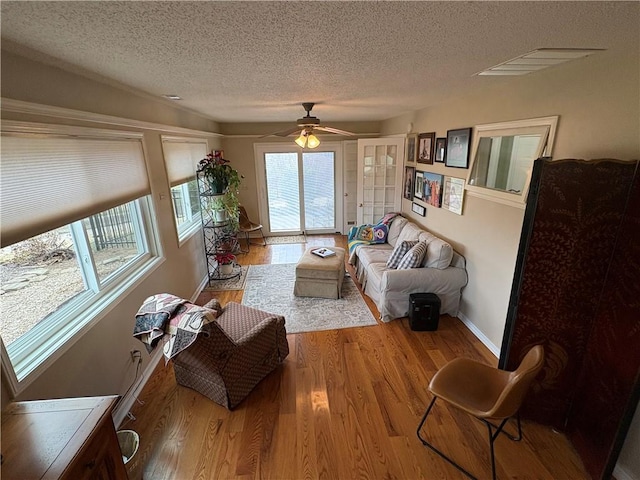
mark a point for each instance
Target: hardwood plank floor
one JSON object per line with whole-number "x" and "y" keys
{"x": 345, "y": 404}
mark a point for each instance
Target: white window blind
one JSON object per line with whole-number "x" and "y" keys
{"x": 181, "y": 157}
{"x": 48, "y": 181}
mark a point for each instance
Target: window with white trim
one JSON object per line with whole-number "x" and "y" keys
{"x": 181, "y": 156}
{"x": 76, "y": 234}
{"x": 502, "y": 156}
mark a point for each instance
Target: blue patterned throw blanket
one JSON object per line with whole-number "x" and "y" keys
{"x": 174, "y": 320}
{"x": 369, "y": 234}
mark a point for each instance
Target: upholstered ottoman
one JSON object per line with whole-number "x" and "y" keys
{"x": 320, "y": 277}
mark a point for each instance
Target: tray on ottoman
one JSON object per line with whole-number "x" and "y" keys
{"x": 320, "y": 277}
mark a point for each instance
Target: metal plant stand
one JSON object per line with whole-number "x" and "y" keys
{"x": 219, "y": 236}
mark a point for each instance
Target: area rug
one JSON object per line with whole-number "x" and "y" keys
{"x": 270, "y": 288}
{"x": 286, "y": 239}
{"x": 236, "y": 283}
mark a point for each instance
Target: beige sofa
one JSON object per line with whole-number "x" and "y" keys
{"x": 442, "y": 272}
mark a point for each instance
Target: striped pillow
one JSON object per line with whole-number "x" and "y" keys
{"x": 413, "y": 258}
{"x": 399, "y": 252}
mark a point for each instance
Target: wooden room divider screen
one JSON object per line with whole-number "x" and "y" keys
{"x": 576, "y": 290}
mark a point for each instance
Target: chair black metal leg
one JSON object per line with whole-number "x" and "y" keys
{"x": 427, "y": 444}
{"x": 492, "y": 438}
{"x": 515, "y": 439}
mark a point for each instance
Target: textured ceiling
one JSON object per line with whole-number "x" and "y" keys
{"x": 257, "y": 61}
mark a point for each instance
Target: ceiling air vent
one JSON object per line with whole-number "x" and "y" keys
{"x": 537, "y": 60}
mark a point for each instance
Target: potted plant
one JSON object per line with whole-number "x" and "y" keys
{"x": 225, "y": 261}
{"x": 224, "y": 185}
{"x": 218, "y": 173}
{"x": 218, "y": 209}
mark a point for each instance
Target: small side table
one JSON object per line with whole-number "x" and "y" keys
{"x": 71, "y": 438}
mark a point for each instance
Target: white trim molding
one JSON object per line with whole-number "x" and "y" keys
{"x": 478, "y": 333}
{"x": 19, "y": 106}
{"x": 124, "y": 406}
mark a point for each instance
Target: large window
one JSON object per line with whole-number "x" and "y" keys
{"x": 186, "y": 207}
{"x": 51, "y": 279}
{"x": 181, "y": 156}
{"x": 76, "y": 235}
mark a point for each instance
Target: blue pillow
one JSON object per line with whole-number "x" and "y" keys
{"x": 380, "y": 234}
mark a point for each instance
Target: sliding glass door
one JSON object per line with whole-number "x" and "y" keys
{"x": 299, "y": 189}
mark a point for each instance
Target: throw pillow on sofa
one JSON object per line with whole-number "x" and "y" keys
{"x": 399, "y": 252}
{"x": 413, "y": 258}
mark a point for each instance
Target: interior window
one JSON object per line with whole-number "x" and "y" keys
{"x": 503, "y": 156}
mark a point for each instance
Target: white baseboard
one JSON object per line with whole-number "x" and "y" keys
{"x": 120, "y": 412}
{"x": 622, "y": 474}
{"x": 203, "y": 284}
{"x": 478, "y": 333}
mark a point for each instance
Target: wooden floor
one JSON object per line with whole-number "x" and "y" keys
{"x": 344, "y": 405}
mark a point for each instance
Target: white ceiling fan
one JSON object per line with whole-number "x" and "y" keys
{"x": 305, "y": 128}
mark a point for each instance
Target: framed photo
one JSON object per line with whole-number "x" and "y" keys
{"x": 419, "y": 209}
{"x": 441, "y": 150}
{"x": 410, "y": 148}
{"x": 453, "y": 194}
{"x": 426, "y": 144}
{"x": 458, "y": 143}
{"x": 409, "y": 173}
{"x": 418, "y": 185}
{"x": 432, "y": 190}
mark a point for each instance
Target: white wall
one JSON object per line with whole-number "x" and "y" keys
{"x": 99, "y": 363}
{"x": 598, "y": 101}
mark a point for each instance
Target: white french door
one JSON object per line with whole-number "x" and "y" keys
{"x": 380, "y": 169}
{"x": 299, "y": 189}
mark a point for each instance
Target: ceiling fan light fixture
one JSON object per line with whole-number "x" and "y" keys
{"x": 302, "y": 139}
{"x": 312, "y": 141}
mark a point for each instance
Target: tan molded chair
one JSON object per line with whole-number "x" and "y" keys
{"x": 485, "y": 392}
{"x": 246, "y": 227}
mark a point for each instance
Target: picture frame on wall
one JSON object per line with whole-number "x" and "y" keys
{"x": 458, "y": 144}
{"x": 419, "y": 209}
{"x": 432, "y": 189}
{"x": 453, "y": 194}
{"x": 441, "y": 150}
{"x": 418, "y": 184}
{"x": 410, "y": 148}
{"x": 409, "y": 173}
{"x": 426, "y": 144}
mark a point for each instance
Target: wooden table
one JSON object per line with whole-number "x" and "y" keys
{"x": 72, "y": 438}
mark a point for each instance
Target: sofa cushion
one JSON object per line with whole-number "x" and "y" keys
{"x": 399, "y": 252}
{"x": 409, "y": 232}
{"x": 397, "y": 224}
{"x": 413, "y": 258}
{"x": 368, "y": 254}
{"x": 439, "y": 252}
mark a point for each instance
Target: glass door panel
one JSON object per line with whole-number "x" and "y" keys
{"x": 379, "y": 179}
{"x": 318, "y": 170}
{"x": 300, "y": 191}
{"x": 283, "y": 191}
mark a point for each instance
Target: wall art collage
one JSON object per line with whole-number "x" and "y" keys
{"x": 430, "y": 188}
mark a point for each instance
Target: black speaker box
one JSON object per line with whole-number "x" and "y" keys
{"x": 424, "y": 311}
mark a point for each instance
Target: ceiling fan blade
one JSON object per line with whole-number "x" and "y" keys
{"x": 283, "y": 133}
{"x": 337, "y": 131}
